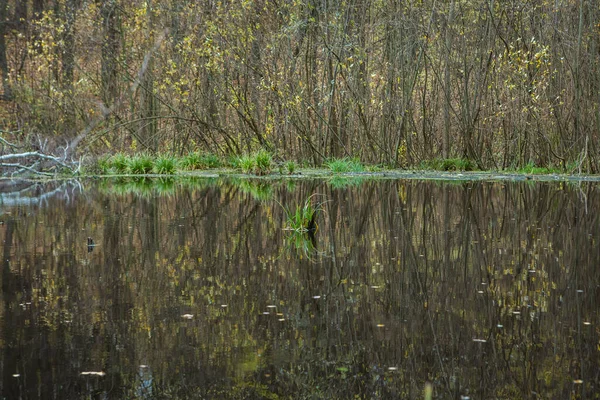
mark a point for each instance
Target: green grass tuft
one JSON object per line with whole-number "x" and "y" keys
{"x": 259, "y": 163}
{"x": 140, "y": 164}
{"x": 449, "y": 164}
{"x": 302, "y": 219}
{"x": 199, "y": 160}
{"x": 165, "y": 165}
{"x": 341, "y": 165}
{"x": 119, "y": 163}
{"x": 532, "y": 169}
{"x": 246, "y": 163}
{"x": 264, "y": 162}
{"x": 290, "y": 167}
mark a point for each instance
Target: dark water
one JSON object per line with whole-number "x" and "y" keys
{"x": 194, "y": 289}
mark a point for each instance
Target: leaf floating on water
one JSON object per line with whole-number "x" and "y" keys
{"x": 187, "y": 316}
{"x": 96, "y": 373}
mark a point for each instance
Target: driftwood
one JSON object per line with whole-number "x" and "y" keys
{"x": 31, "y": 161}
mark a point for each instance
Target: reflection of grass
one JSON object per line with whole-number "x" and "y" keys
{"x": 260, "y": 190}
{"x": 164, "y": 186}
{"x": 141, "y": 186}
{"x": 196, "y": 183}
{"x": 340, "y": 182}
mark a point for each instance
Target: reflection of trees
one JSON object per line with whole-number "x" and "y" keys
{"x": 408, "y": 275}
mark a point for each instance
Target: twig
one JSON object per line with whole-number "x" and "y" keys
{"x": 6, "y": 142}
{"x": 25, "y": 167}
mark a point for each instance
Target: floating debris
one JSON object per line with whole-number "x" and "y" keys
{"x": 187, "y": 316}
{"x": 90, "y": 244}
{"x": 96, "y": 373}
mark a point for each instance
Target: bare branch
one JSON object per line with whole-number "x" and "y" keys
{"x": 9, "y": 165}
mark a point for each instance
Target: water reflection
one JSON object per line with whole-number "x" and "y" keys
{"x": 194, "y": 289}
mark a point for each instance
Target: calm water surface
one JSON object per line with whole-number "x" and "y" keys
{"x": 196, "y": 289}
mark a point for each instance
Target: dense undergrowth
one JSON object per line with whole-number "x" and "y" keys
{"x": 263, "y": 163}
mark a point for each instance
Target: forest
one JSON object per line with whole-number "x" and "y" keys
{"x": 502, "y": 84}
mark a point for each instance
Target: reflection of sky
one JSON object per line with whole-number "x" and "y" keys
{"x": 144, "y": 387}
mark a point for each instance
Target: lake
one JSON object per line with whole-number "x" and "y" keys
{"x": 198, "y": 288}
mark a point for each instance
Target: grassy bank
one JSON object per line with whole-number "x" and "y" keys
{"x": 263, "y": 163}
